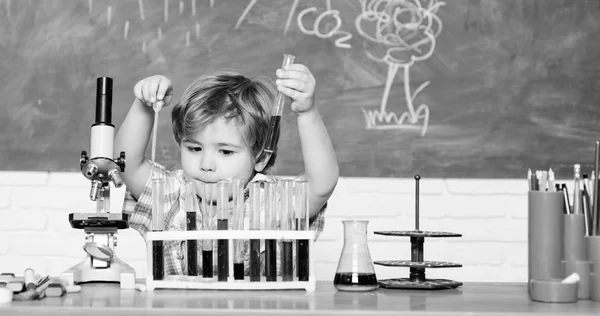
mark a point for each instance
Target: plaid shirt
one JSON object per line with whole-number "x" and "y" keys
{"x": 140, "y": 215}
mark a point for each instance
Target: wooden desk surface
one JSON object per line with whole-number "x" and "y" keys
{"x": 470, "y": 299}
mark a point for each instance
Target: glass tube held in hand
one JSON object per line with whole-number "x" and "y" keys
{"x": 277, "y": 111}
{"x": 270, "y": 224}
{"x": 254, "y": 188}
{"x": 223, "y": 224}
{"x": 287, "y": 255}
{"x": 207, "y": 224}
{"x": 237, "y": 189}
{"x": 301, "y": 215}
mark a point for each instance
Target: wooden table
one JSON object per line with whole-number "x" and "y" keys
{"x": 470, "y": 299}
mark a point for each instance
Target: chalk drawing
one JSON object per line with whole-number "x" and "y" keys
{"x": 409, "y": 30}
{"x": 141, "y": 5}
{"x": 108, "y": 15}
{"x": 166, "y": 13}
{"x": 126, "y": 30}
{"x": 335, "y": 14}
{"x": 244, "y": 13}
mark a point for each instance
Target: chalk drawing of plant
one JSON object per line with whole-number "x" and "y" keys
{"x": 408, "y": 29}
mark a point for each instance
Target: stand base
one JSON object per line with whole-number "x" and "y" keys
{"x": 118, "y": 272}
{"x": 429, "y": 284}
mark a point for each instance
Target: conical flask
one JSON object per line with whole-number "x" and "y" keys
{"x": 355, "y": 271}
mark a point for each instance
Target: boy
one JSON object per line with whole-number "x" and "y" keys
{"x": 220, "y": 124}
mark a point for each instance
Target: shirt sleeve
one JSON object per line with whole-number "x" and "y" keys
{"x": 140, "y": 209}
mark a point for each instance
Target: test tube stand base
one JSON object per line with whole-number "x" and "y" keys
{"x": 417, "y": 265}
{"x": 200, "y": 283}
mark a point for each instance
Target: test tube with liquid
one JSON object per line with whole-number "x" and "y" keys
{"x": 237, "y": 192}
{"x": 158, "y": 224}
{"x": 254, "y": 188}
{"x": 301, "y": 214}
{"x": 270, "y": 224}
{"x": 222, "y": 224}
{"x": 287, "y": 256}
{"x": 191, "y": 207}
{"x": 207, "y": 224}
{"x": 277, "y": 112}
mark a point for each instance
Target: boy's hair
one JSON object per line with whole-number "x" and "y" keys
{"x": 230, "y": 95}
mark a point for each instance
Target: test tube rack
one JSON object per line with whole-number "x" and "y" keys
{"x": 417, "y": 265}
{"x": 201, "y": 283}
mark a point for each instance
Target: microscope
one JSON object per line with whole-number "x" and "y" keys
{"x": 101, "y": 264}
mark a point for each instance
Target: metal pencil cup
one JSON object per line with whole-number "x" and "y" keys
{"x": 545, "y": 235}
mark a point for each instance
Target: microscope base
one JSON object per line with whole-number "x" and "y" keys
{"x": 118, "y": 271}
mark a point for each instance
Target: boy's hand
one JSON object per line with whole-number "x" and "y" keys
{"x": 152, "y": 89}
{"x": 297, "y": 82}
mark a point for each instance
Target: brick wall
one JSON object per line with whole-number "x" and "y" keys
{"x": 490, "y": 214}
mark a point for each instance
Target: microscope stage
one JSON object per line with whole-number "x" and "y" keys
{"x": 108, "y": 220}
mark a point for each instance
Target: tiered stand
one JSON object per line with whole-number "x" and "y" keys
{"x": 198, "y": 282}
{"x": 417, "y": 265}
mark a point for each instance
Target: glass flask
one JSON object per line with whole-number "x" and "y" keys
{"x": 355, "y": 271}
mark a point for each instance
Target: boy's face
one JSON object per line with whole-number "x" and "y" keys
{"x": 217, "y": 152}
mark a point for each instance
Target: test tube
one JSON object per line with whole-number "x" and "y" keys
{"x": 191, "y": 206}
{"x": 222, "y": 224}
{"x": 277, "y": 112}
{"x": 207, "y": 224}
{"x": 301, "y": 212}
{"x": 287, "y": 256}
{"x": 254, "y": 188}
{"x": 237, "y": 191}
{"x": 270, "y": 224}
{"x": 158, "y": 224}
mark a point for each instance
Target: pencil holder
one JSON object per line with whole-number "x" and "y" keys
{"x": 574, "y": 238}
{"x": 552, "y": 291}
{"x": 593, "y": 252}
{"x": 583, "y": 269}
{"x": 545, "y": 235}
{"x": 595, "y": 287}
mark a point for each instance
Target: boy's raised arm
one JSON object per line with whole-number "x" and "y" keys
{"x": 320, "y": 163}
{"x": 135, "y": 131}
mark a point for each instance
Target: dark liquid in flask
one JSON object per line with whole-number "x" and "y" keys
{"x": 158, "y": 260}
{"x": 222, "y": 252}
{"x": 287, "y": 261}
{"x": 192, "y": 245}
{"x": 271, "y": 259}
{"x": 207, "y": 263}
{"x": 273, "y": 134}
{"x": 238, "y": 271}
{"x": 357, "y": 282}
{"x": 255, "y": 260}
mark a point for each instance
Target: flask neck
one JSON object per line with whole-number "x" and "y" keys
{"x": 355, "y": 232}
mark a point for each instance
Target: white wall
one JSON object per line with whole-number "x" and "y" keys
{"x": 491, "y": 214}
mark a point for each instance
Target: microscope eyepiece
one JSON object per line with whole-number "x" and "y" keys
{"x": 104, "y": 87}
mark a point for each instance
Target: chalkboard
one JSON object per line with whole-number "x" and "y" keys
{"x": 461, "y": 88}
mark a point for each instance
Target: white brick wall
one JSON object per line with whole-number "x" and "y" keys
{"x": 491, "y": 215}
